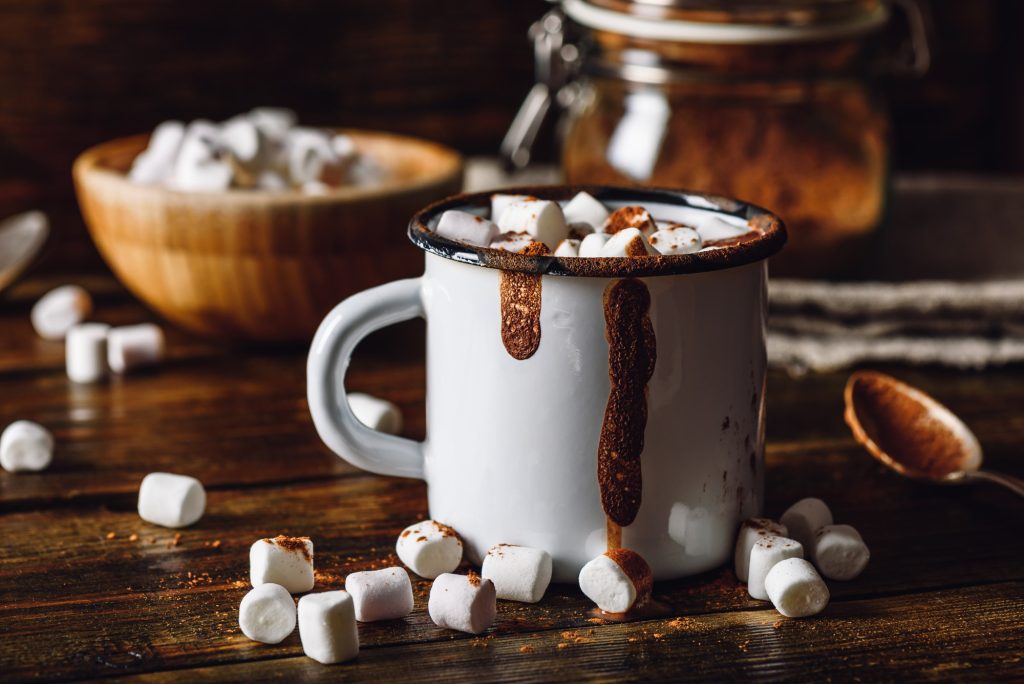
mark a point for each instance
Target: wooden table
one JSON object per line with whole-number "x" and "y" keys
{"x": 89, "y": 590}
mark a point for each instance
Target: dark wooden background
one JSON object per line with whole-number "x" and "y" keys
{"x": 76, "y": 73}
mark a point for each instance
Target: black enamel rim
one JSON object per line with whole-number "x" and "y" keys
{"x": 771, "y": 237}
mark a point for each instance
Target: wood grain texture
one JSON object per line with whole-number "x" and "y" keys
{"x": 254, "y": 265}
{"x": 942, "y": 597}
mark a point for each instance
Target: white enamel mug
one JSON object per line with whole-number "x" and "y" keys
{"x": 511, "y": 448}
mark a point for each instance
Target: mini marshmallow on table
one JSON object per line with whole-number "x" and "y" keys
{"x": 25, "y": 447}
{"x": 378, "y": 414}
{"x": 85, "y": 352}
{"x": 839, "y": 552}
{"x": 327, "y": 627}
{"x": 59, "y": 310}
{"x": 429, "y": 548}
{"x": 795, "y": 588}
{"x": 803, "y": 520}
{"x": 750, "y": 531}
{"x": 267, "y": 614}
{"x": 171, "y": 500}
{"x": 380, "y": 594}
{"x": 466, "y": 603}
{"x": 519, "y": 573}
{"x": 585, "y": 208}
{"x": 627, "y": 242}
{"x": 287, "y": 561}
{"x": 617, "y": 580}
{"x": 465, "y": 227}
{"x": 134, "y": 346}
{"x": 541, "y": 219}
{"x": 764, "y": 554}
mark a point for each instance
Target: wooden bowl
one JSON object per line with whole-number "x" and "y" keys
{"x": 260, "y": 265}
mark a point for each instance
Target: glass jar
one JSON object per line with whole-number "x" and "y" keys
{"x": 771, "y": 101}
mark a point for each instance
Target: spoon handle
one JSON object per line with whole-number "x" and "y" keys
{"x": 1008, "y": 481}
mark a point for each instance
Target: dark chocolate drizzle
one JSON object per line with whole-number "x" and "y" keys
{"x": 632, "y": 353}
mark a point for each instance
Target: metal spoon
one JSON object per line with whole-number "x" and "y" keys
{"x": 913, "y": 434}
{"x": 21, "y": 238}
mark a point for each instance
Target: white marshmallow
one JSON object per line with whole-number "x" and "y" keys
{"x": 429, "y": 548}
{"x": 243, "y": 141}
{"x": 512, "y": 242}
{"x": 267, "y": 614}
{"x": 591, "y": 245}
{"x": 568, "y": 248}
{"x": 313, "y": 188}
{"x": 466, "y": 603}
{"x": 795, "y": 589}
{"x": 676, "y": 240}
{"x": 501, "y": 202}
{"x": 380, "y": 594}
{"x": 617, "y": 580}
{"x": 630, "y": 216}
{"x": 519, "y": 573}
{"x": 715, "y": 228}
{"x": 344, "y": 147}
{"x": 156, "y": 163}
{"x": 198, "y": 166}
{"x": 310, "y": 156}
{"x": 58, "y": 310}
{"x": 541, "y": 219}
{"x": 378, "y": 414}
{"x": 287, "y": 561}
{"x": 585, "y": 208}
{"x": 627, "y": 243}
{"x": 171, "y": 500}
{"x": 273, "y": 122}
{"x": 85, "y": 352}
{"x": 839, "y": 552}
{"x": 327, "y": 627}
{"x": 764, "y": 554}
{"x": 465, "y": 227}
{"x": 25, "y": 446}
{"x": 803, "y": 520}
{"x": 750, "y": 531}
{"x": 134, "y": 346}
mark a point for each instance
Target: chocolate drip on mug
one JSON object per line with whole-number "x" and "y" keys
{"x": 520, "y": 307}
{"x": 632, "y": 354}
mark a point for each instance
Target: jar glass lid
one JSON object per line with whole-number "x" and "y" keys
{"x": 730, "y": 21}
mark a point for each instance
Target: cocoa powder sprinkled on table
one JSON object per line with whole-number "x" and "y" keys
{"x": 111, "y": 535}
{"x": 133, "y": 537}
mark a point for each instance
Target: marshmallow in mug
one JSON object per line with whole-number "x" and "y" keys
{"x": 617, "y": 580}
{"x": 795, "y": 588}
{"x": 283, "y": 560}
{"x": 764, "y": 554}
{"x": 59, "y": 310}
{"x": 465, "y": 227}
{"x": 839, "y": 552}
{"x": 467, "y": 603}
{"x": 632, "y": 216}
{"x": 429, "y": 548}
{"x": 519, "y": 573}
{"x": 378, "y": 414}
{"x": 628, "y": 242}
{"x": 85, "y": 352}
{"x": 380, "y": 594}
{"x": 676, "y": 240}
{"x": 327, "y": 627}
{"x": 134, "y": 346}
{"x": 585, "y": 208}
{"x": 803, "y": 520}
{"x": 25, "y": 447}
{"x": 542, "y": 220}
{"x": 267, "y": 614}
{"x": 750, "y": 531}
{"x": 171, "y": 500}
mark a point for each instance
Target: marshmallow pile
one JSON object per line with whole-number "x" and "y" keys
{"x": 261, "y": 150}
{"x": 581, "y": 227}
{"x": 93, "y": 350}
{"x": 777, "y": 559}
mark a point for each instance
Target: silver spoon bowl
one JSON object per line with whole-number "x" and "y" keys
{"x": 21, "y": 238}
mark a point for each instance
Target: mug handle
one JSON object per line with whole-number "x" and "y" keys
{"x": 339, "y": 333}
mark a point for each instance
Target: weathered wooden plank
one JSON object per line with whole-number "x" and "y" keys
{"x": 75, "y": 601}
{"x": 969, "y": 634}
